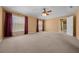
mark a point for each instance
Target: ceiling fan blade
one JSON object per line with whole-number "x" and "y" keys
{"x": 49, "y": 11}
{"x": 47, "y": 14}
{"x": 44, "y": 10}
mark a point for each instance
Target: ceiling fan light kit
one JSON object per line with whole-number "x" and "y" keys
{"x": 45, "y": 12}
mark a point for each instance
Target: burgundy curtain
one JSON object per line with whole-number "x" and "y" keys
{"x": 26, "y": 25}
{"x": 8, "y": 25}
{"x": 43, "y": 25}
{"x": 37, "y": 28}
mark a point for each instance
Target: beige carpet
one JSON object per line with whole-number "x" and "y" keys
{"x": 40, "y": 42}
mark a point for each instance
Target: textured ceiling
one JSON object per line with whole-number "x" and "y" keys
{"x": 36, "y": 11}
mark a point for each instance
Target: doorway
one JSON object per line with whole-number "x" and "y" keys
{"x": 63, "y": 25}
{"x": 40, "y": 25}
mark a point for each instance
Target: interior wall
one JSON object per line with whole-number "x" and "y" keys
{"x": 32, "y": 24}
{"x": 1, "y": 23}
{"x": 77, "y": 24}
{"x": 53, "y": 25}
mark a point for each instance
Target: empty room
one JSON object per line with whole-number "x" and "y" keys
{"x": 39, "y": 29}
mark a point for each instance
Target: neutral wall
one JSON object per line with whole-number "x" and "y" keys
{"x": 1, "y": 23}
{"x": 77, "y": 24}
{"x": 32, "y": 24}
{"x": 53, "y": 25}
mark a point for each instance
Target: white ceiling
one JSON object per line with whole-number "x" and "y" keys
{"x": 36, "y": 11}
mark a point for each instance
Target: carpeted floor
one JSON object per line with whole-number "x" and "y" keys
{"x": 43, "y": 42}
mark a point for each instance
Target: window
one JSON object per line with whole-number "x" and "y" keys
{"x": 18, "y": 24}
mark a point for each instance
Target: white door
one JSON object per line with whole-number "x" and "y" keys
{"x": 70, "y": 25}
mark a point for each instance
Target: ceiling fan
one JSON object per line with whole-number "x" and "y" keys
{"x": 46, "y": 12}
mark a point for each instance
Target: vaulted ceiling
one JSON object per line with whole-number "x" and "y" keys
{"x": 36, "y": 11}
